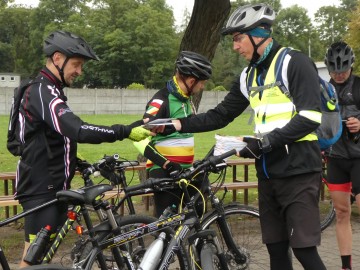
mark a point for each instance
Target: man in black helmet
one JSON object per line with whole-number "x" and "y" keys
{"x": 50, "y": 131}
{"x": 343, "y": 158}
{"x": 287, "y": 154}
{"x": 169, "y": 154}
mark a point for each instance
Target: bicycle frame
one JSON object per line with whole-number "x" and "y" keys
{"x": 136, "y": 234}
{"x": 184, "y": 222}
{"x": 60, "y": 236}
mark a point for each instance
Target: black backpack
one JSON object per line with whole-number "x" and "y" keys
{"x": 13, "y": 144}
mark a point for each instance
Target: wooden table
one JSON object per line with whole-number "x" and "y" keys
{"x": 8, "y": 179}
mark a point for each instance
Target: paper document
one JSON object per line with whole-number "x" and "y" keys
{"x": 159, "y": 122}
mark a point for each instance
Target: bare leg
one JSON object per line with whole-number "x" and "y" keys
{"x": 23, "y": 263}
{"x": 342, "y": 206}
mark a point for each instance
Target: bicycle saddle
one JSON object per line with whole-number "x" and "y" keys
{"x": 84, "y": 195}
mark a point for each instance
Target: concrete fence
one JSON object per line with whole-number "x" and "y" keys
{"x": 110, "y": 101}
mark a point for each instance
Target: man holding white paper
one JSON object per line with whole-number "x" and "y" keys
{"x": 285, "y": 146}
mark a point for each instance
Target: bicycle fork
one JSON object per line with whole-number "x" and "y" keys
{"x": 205, "y": 237}
{"x": 239, "y": 257}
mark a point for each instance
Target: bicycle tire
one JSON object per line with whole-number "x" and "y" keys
{"x": 326, "y": 207}
{"x": 136, "y": 251}
{"x": 244, "y": 225}
{"x": 208, "y": 258}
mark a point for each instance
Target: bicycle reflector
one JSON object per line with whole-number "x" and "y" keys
{"x": 79, "y": 230}
{"x": 71, "y": 215}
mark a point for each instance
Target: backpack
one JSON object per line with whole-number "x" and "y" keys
{"x": 331, "y": 127}
{"x": 14, "y": 145}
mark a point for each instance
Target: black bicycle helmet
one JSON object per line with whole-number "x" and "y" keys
{"x": 249, "y": 17}
{"x": 339, "y": 57}
{"x": 194, "y": 65}
{"x": 68, "y": 44}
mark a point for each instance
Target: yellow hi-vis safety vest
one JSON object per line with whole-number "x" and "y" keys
{"x": 274, "y": 109}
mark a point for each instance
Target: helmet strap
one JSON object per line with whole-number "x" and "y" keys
{"x": 61, "y": 70}
{"x": 189, "y": 89}
{"x": 256, "y": 55}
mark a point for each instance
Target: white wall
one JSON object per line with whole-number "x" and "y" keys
{"x": 9, "y": 80}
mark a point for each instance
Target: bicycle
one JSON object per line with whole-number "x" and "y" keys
{"x": 236, "y": 227}
{"x": 114, "y": 170}
{"x": 204, "y": 243}
{"x": 89, "y": 196}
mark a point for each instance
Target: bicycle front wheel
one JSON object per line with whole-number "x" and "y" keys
{"x": 244, "y": 226}
{"x": 209, "y": 259}
{"x": 131, "y": 252}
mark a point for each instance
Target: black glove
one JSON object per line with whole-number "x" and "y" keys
{"x": 169, "y": 129}
{"x": 253, "y": 149}
{"x": 173, "y": 169}
{"x": 122, "y": 131}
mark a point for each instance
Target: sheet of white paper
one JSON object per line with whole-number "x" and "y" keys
{"x": 158, "y": 122}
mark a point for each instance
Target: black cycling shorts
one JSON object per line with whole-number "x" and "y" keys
{"x": 289, "y": 210}
{"x": 343, "y": 174}
{"x": 54, "y": 215}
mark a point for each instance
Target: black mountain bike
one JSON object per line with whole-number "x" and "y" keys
{"x": 84, "y": 201}
{"x": 228, "y": 237}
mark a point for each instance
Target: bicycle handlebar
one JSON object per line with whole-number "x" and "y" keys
{"x": 107, "y": 163}
{"x": 187, "y": 174}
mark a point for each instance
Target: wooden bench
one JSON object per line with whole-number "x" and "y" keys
{"x": 6, "y": 201}
{"x": 8, "y": 178}
{"x": 240, "y": 183}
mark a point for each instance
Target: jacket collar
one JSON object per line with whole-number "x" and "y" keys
{"x": 49, "y": 76}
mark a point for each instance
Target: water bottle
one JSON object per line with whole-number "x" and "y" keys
{"x": 153, "y": 253}
{"x": 37, "y": 247}
{"x": 170, "y": 210}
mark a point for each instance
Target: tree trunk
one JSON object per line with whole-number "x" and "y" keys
{"x": 202, "y": 34}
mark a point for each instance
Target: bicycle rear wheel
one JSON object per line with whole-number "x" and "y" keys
{"x": 244, "y": 225}
{"x": 326, "y": 207}
{"x": 131, "y": 252}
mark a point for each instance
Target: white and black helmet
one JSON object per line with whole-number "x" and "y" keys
{"x": 249, "y": 17}
{"x": 68, "y": 44}
{"x": 339, "y": 57}
{"x": 193, "y": 64}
